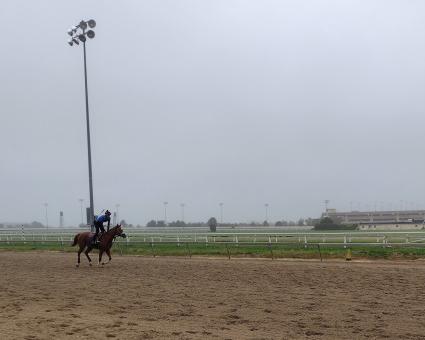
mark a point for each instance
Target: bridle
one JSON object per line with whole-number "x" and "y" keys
{"x": 120, "y": 235}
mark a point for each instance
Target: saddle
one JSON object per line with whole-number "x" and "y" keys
{"x": 94, "y": 242}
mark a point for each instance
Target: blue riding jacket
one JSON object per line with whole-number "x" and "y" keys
{"x": 103, "y": 219}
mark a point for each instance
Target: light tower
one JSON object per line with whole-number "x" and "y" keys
{"x": 326, "y": 208}
{"x": 165, "y": 212}
{"x": 47, "y": 218}
{"x": 117, "y": 207}
{"x": 78, "y": 34}
{"x": 266, "y": 206}
{"x": 221, "y": 204}
{"x": 81, "y": 200}
{"x": 182, "y": 205}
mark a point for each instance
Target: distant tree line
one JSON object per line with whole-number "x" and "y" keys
{"x": 173, "y": 224}
{"x": 299, "y": 223}
{"x": 326, "y": 223}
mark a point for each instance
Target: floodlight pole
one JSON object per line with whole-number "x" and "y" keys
{"x": 88, "y": 142}
{"x": 81, "y": 208}
{"x": 165, "y": 212}
{"x": 76, "y": 38}
{"x": 182, "y": 206}
{"x": 221, "y": 212}
{"x": 266, "y": 206}
{"x": 47, "y": 218}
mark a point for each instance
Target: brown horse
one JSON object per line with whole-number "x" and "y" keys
{"x": 85, "y": 241}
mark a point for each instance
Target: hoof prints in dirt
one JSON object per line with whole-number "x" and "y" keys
{"x": 150, "y": 298}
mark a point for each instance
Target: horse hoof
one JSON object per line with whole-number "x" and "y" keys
{"x": 90, "y": 264}
{"x": 77, "y": 265}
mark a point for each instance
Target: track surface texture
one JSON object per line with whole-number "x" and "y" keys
{"x": 43, "y": 296}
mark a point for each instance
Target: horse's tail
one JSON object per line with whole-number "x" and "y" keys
{"x": 75, "y": 240}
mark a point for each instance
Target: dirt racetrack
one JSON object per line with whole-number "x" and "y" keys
{"x": 43, "y": 296}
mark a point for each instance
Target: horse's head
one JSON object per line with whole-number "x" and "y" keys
{"x": 118, "y": 231}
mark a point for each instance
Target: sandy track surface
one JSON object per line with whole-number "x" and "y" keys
{"x": 43, "y": 296}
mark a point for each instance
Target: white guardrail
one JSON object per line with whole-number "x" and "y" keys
{"x": 239, "y": 237}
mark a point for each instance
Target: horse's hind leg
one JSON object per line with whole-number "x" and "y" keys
{"x": 100, "y": 256}
{"x": 79, "y": 253}
{"x": 88, "y": 250}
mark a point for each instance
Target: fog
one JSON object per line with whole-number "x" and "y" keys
{"x": 248, "y": 102}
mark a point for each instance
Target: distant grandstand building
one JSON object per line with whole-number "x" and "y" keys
{"x": 376, "y": 217}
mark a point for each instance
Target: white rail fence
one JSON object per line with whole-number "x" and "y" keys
{"x": 134, "y": 237}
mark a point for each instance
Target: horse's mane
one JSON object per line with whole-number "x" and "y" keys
{"x": 113, "y": 228}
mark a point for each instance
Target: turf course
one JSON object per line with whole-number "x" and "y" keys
{"x": 243, "y": 242}
{"x": 311, "y": 251}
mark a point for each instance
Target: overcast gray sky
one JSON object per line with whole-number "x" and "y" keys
{"x": 242, "y": 102}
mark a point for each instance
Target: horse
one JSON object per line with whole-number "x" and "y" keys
{"x": 85, "y": 241}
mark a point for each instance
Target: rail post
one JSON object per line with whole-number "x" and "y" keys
{"x": 271, "y": 250}
{"x": 23, "y": 235}
{"x": 188, "y": 250}
{"x": 228, "y": 251}
{"x": 320, "y": 252}
{"x": 153, "y": 251}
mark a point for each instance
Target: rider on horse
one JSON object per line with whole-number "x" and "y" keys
{"x": 98, "y": 223}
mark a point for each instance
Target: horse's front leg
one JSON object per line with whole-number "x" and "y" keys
{"x": 108, "y": 252}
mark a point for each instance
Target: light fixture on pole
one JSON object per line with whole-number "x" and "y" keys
{"x": 47, "y": 218}
{"x": 266, "y": 206}
{"x": 182, "y": 205}
{"x": 78, "y": 34}
{"x": 117, "y": 206}
{"x": 221, "y": 204}
{"x": 165, "y": 212}
{"x": 326, "y": 208}
{"x": 81, "y": 208}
